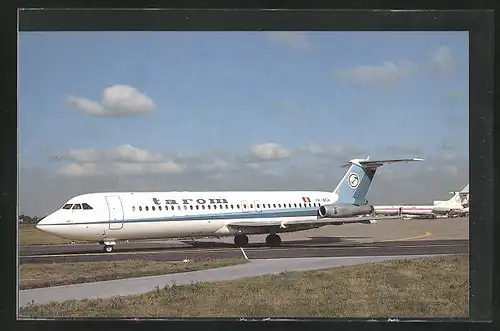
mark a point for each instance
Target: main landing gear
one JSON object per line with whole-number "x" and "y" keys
{"x": 241, "y": 240}
{"x": 272, "y": 240}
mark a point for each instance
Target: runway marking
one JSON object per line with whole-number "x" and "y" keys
{"x": 233, "y": 249}
{"x": 244, "y": 254}
{"x": 426, "y": 234}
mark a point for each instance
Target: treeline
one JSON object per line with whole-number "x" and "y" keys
{"x": 28, "y": 219}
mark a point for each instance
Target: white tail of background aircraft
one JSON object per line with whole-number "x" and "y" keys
{"x": 460, "y": 198}
{"x": 115, "y": 216}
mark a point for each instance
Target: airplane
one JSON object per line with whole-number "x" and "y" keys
{"x": 118, "y": 216}
{"x": 462, "y": 198}
{"x": 456, "y": 205}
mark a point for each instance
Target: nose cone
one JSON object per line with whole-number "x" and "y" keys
{"x": 42, "y": 224}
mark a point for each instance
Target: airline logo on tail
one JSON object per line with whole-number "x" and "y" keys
{"x": 353, "y": 180}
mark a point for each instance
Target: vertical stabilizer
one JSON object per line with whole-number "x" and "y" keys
{"x": 354, "y": 185}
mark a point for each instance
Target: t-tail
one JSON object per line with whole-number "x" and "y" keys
{"x": 354, "y": 186}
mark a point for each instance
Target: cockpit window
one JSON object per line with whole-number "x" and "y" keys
{"x": 77, "y": 206}
{"x": 67, "y": 206}
{"x": 86, "y": 206}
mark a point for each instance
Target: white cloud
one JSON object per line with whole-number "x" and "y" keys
{"x": 117, "y": 100}
{"x": 270, "y": 151}
{"x": 294, "y": 39}
{"x": 170, "y": 167}
{"x": 124, "y": 153}
{"x": 442, "y": 60}
{"x": 386, "y": 74}
{"x": 79, "y": 170}
{"x": 214, "y": 166}
{"x": 121, "y": 160}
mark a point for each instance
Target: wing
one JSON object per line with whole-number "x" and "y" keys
{"x": 290, "y": 224}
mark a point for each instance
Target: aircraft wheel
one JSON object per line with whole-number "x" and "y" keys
{"x": 241, "y": 240}
{"x": 273, "y": 240}
{"x": 108, "y": 248}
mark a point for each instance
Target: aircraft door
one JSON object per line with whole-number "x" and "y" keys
{"x": 115, "y": 212}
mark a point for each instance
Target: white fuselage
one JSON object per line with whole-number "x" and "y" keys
{"x": 156, "y": 215}
{"x": 438, "y": 209}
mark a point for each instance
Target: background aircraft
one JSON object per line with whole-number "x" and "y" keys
{"x": 111, "y": 217}
{"x": 458, "y": 204}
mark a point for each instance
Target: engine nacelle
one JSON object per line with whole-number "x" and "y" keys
{"x": 338, "y": 210}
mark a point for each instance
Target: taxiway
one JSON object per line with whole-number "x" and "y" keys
{"x": 390, "y": 237}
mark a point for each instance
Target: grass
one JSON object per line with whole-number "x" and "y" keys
{"x": 432, "y": 287}
{"x": 30, "y": 235}
{"x": 54, "y": 274}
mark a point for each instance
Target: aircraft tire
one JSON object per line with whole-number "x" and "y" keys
{"x": 273, "y": 240}
{"x": 108, "y": 248}
{"x": 241, "y": 240}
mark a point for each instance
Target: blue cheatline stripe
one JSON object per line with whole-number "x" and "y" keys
{"x": 216, "y": 216}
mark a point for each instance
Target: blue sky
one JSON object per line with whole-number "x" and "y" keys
{"x": 231, "y": 90}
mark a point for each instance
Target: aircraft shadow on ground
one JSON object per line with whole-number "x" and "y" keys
{"x": 323, "y": 241}
{"x": 136, "y": 247}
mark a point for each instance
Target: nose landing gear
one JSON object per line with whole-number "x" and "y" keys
{"x": 108, "y": 246}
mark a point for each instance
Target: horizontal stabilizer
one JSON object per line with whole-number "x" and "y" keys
{"x": 370, "y": 164}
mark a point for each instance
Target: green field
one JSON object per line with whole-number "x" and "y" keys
{"x": 34, "y": 275}
{"x": 433, "y": 287}
{"x": 30, "y": 235}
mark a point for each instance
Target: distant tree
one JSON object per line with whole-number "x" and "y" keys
{"x": 28, "y": 219}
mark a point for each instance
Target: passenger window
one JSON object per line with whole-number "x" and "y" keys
{"x": 86, "y": 206}
{"x": 77, "y": 206}
{"x": 172, "y": 207}
{"x": 268, "y": 205}
{"x": 274, "y": 205}
{"x": 300, "y": 205}
{"x": 147, "y": 208}
{"x": 153, "y": 208}
{"x": 133, "y": 208}
{"x": 279, "y": 205}
{"x": 185, "y": 207}
{"x": 295, "y": 205}
{"x": 238, "y": 206}
{"x": 202, "y": 206}
{"x": 251, "y": 205}
{"x": 258, "y": 206}
{"x": 67, "y": 206}
{"x": 245, "y": 206}
{"x": 140, "y": 208}
{"x": 215, "y": 207}
{"x": 191, "y": 207}
{"x": 232, "y": 207}
{"x": 159, "y": 208}
{"x": 197, "y": 207}
{"x": 310, "y": 205}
